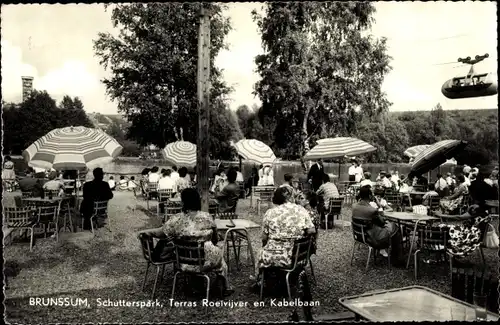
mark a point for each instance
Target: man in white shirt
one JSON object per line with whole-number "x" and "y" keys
{"x": 441, "y": 184}
{"x": 352, "y": 172}
{"x": 174, "y": 175}
{"x": 358, "y": 172}
{"x": 154, "y": 176}
{"x": 166, "y": 182}
{"x": 385, "y": 181}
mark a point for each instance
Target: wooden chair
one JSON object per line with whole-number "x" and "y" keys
{"x": 394, "y": 199}
{"x": 151, "y": 190}
{"x": 434, "y": 204}
{"x": 466, "y": 282}
{"x": 49, "y": 215}
{"x": 147, "y": 245}
{"x": 171, "y": 208}
{"x": 191, "y": 253}
{"x": 50, "y": 193}
{"x": 334, "y": 210}
{"x": 163, "y": 196}
{"x": 100, "y": 211}
{"x": 431, "y": 239}
{"x": 360, "y": 239}
{"x": 300, "y": 258}
{"x": 21, "y": 219}
{"x": 257, "y": 190}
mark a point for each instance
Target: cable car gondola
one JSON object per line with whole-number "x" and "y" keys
{"x": 472, "y": 85}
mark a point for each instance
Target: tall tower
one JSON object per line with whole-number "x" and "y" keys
{"x": 27, "y": 87}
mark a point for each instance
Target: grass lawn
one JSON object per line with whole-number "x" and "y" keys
{"x": 111, "y": 266}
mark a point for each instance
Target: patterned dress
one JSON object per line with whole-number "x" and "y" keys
{"x": 313, "y": 213}
{"x": 465, "y": 237}
{"x": 182, "y": 183}
{"x": 450, "y": 205}
{"x": 283, "y": 225}
{"x": 197, "y": 225}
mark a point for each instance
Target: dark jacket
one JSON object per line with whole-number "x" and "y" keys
{"x": 316, "y": 175}
{"x": 95, "y": 190}
{"x": 30, "y": 184}
{"x": 481, "y": 191}
{"x": 378, "y": 231}
{"x": 228, "y": 198}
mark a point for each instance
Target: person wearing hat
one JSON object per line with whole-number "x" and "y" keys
{"x": 381, "y": 233}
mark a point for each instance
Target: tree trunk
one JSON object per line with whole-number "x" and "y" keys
{"x": 305, "y": 140}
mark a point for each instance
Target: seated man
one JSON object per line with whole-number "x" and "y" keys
{"x": 31, "y": 184}
{"x": 380, "y": 233}
{"x": 228, "y": 196}
{"x": 327, "y": 191}
{"x": 54, "y": 185}
{"x": 95, "y": 190}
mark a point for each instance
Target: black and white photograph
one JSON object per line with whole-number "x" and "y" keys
{"x": 250, "y": 162}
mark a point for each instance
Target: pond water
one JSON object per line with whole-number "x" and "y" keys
{"x": 132, "y": 166}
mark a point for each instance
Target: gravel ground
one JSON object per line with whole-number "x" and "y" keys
{"x": 111, "y": 266}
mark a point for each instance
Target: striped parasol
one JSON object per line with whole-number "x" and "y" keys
{"x": 180, "y": 153}
{"x": 436, "y": 155}
{"x": 72, "y": 148}
{"x": 255, "y": 151}
{"x": 338, "y": 147}
{"x": 413, "y": 152}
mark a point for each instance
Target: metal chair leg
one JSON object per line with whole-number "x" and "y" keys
{"x": 162, "y": 273}
{"x": 31, "y": 240}
{"x": 451, "y": 265}
{"x": 482, "y": 255}
{"x": 145, "y": 277}
{"x": 288, "y": 286}
{"x": 262, "y": 283}
{"x": 156, "y": 281}
{"x": 312, "y": 271}
{"x": 353, "y": 249}
{"x": 174, "y": 283}
{"x": 415, "y": 256}
{"x": 208, "y": 285}
{"x": 370, "y": 249}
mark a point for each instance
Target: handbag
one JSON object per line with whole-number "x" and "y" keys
{"x": 491, "y": 238}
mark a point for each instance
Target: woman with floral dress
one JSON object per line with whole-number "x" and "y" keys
{"x": 465, "y": 236}
{"x": 451, "y": 203}
{"x": 281, "y": 226}
{"x": 196, "y": 225}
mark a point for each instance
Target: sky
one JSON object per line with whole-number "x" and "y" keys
{"x": 53, "y": 44}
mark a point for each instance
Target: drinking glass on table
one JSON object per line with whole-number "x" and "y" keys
{"x": 480, "y": 306}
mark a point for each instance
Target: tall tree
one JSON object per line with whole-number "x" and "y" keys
{"x": 153, "y": 64}
{"x": 318, "y": 69}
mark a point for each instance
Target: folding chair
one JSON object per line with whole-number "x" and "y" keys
{"x": 334, "y": 210}
{"x": 265, "y": 196}
{"x": 163, "y": 196}
{"x": 100, "y": 211}
{"x": 300, "y": 259}
{"x": 21, "y": 219}
{"x": 147, "y": 244}
{"x": 360, "y": 239}
{"x": 431, "y": 239}
{"x": 192, "y": 253}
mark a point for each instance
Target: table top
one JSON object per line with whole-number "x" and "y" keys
{"x": 409, "y": 216}
{"x": 238, "y": 223}
{"x": 492, "y": 203}
{"x": 177, "y": 199}
{"x": 414, "y": 303}
{"x": 39, "y": 199}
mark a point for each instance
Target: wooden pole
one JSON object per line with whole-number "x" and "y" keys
{"x": 203, "y": 159}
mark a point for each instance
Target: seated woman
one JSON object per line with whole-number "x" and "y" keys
{"x": 450, "y": 203}
{"x": 123, "y": 183}
{"x": 465, "y": 232}
{"x": 194, "y": 224}
{"x": 182, "y": 182}
{"x": 380, "y": 233}
{"x": 281, "y": 226}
